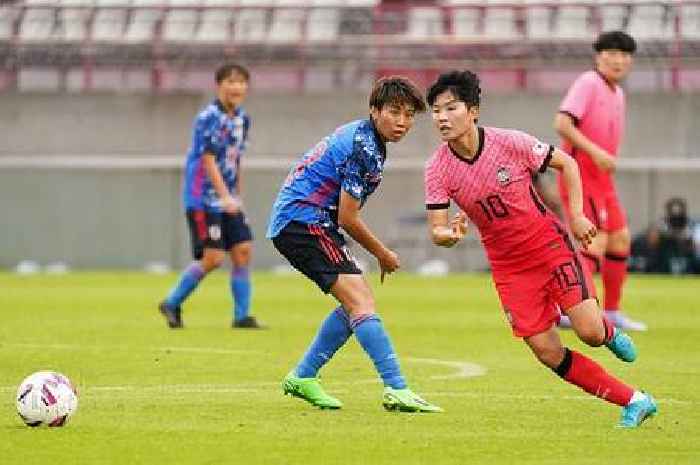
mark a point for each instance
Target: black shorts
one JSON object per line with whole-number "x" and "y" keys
{"x": 209, "y": 230}
{"x": 319, "y": 253}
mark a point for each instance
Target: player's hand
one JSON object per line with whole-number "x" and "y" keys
{"x": 230, "y": 204}
{"x": 388, "y": 263}
{"x": 583, "y": 230}
{"x": 458, "y": 225}
{"x": 604, "y": 161}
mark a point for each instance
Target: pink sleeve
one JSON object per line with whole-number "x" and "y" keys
{"x": 436, "y": 196}
{"x": 534, "y": 153}
{"x": 575, "y": 102}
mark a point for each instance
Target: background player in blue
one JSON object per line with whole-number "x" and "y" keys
{"x": 212, "y": 199}
{"x": 323, "y": 192}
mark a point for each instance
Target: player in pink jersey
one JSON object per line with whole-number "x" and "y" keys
{"x": 590, "y": 121}
{"x": 488, "y": 172}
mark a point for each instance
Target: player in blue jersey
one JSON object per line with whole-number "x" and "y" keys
{"x": 324, "y": 192}
{"x": 212, "y": 197}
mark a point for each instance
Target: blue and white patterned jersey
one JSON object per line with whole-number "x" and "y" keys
{"x": 224, "y": 136}
{"x": 351, "y": 159}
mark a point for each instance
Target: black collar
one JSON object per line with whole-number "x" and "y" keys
{"x": 480, "y": 149}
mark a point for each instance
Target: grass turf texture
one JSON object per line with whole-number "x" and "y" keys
{"x": 209, "y": 395}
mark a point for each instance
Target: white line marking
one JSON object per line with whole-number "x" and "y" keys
{"x": 462, "y": 369}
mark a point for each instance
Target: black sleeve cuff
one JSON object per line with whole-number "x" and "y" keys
{"x": 573, "y": 117}
{"x": 547, "y": 159}
{"x": 437, "y": 206}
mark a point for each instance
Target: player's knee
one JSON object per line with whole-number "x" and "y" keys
{"x": 592, "y": 336}
{"x": 550, "y": 357}
{"x": 212, "y": 260}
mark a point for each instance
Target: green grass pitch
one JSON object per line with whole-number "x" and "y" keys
{"x": 211, "y": 395}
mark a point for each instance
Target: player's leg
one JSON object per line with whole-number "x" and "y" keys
{"x": 208, "y": 254}
{"x": 355, "y": 296}
{"x": 588, "y": 375}
{"x": 595, "y": 329}
{"x": 238, "y": 239}
{"x": 614, "y": 271}
{"x": 310, "y": 253}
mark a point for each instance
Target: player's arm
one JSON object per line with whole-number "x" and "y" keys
{"x": 443, "y": 231}
{"x": 564, "y": 125}
{"x": 349, "y": 219}
{"x": 228, "y": 203}
{"x": 581, "y": 227}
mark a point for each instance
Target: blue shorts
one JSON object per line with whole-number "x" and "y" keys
{"x": 211, "y": 230}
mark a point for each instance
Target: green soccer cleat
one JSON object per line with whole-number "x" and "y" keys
{"x": 635, "y": 413}
{"x": 310, "y": 390}
{"x": 404, "y": 400}
{"x": 622, "y": 346}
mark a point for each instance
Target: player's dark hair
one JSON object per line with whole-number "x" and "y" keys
{"x": 227, "y": 69}
{"x": 464, "y": 85}
{"x": 396, "y": 90}
{"x": 615, "y": 40}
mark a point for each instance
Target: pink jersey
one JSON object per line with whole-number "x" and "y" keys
{"x": 599, "y": 113}
{"x": 495, "y": 190}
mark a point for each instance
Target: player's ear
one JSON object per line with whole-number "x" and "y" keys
{"x": 474, "y": 113}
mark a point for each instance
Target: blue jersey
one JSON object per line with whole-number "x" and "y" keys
{"x": 351, "y": 159}
{"x": 226, "y": 138}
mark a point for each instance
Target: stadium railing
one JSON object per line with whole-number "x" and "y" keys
{"x": 162, "y": 34}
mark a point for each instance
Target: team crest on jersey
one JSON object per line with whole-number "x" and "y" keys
{"x": 539, "y": 149}
{"x": 503, "y": 175}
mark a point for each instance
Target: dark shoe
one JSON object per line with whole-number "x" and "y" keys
{"x": 248, "y": 322}
{"x": 172, "y": 316}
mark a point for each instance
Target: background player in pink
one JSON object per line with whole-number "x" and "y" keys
{"x": 591, "y": 122}
{"x": 488, "y": 173}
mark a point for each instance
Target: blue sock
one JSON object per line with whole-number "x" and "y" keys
{"x": 240, "y": 290}
{"x": 189, "y": 279}
{"x": 372, "y": 336}
{"x": 333, "y": 333}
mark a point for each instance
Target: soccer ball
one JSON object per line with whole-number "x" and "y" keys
{"x": 46, "y": 398}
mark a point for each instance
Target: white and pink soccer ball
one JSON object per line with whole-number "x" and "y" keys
{"x": 46, "y": 398}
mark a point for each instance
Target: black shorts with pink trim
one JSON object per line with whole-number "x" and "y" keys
{"x": 211, "y": 230}
{"x": 319, "y": 252}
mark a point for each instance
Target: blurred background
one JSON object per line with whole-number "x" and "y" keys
{"x": 97, "y": 98}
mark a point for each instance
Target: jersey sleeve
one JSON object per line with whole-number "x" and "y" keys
{"x": 357, "y": 168}
{"x": 575, "y": 102}
{"x": 436, "y": 195}
{"x": 209, "y": 130}
{"x": 534, "y": 153}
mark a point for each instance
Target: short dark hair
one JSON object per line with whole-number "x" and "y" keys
{"x": 227, "y": 69}
{"x": 462, "y": 84}
{"x": 396, "y": 90}
{"x": 615, "y": 40}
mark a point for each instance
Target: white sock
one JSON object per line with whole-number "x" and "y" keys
{"x": 638, "y": 395}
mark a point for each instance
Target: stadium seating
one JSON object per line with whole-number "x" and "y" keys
{"x": 612, "y": 15}
{"x": 323, "y": 24}
{"x": 690, "y": 21}
{"x": 651, "y": 21}
{"x": 215, "y": 22}
{"x": 500, "y": 21}
{"x": 73, "y": 20}
{"x": 250, "y": 25}
{"x": 424, "y": 22}
{"x": 181, "y": 21}
{"x": 572, "y": 21}
{"x": 141, "y": 27}
{"x": 39, "y": 20}
{"x": 539, "y": 18}
{"x": 287, "y": 25}
{"x": 465, "y": 21}
{"x": 109, "y": 22}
